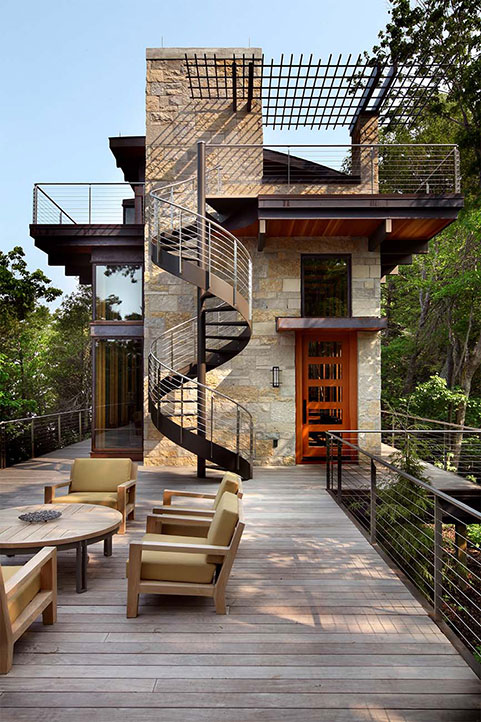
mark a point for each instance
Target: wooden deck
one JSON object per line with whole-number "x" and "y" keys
{"x": 319, "y": 627}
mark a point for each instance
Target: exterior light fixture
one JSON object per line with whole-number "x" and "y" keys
{"x": 275, "y": 377}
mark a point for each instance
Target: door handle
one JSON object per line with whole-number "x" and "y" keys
{"x": 304, "y": 412}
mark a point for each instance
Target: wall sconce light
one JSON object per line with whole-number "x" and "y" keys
{"x": 275, "y": 377}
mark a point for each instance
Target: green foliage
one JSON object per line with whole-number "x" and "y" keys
{"x": 404, "y": 513}
{"x": 45, "y": 357}
{"x": 473, "y": 532}
{"x": 445, "y": 33}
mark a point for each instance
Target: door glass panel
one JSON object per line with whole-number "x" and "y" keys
{"x": 325, "y": 348}
{"x": 325, "y": 371}
{"x": 325, "y": 394}
{"x": 325, "y": 286}
{"x": 325, "y": 416}
{"x": 118, "y": 394}
{"x": 317, "y": 438}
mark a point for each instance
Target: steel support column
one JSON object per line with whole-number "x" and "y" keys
{"x": 201, "y": 364}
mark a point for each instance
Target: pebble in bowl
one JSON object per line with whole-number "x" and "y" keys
{"x": 42, "y": 515}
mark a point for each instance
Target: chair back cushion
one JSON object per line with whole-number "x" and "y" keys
{"x": 224, "y": 521}
{"x": 99, "y": 474}
{"x": 27, "y": 591}
{"x": 230, "y": 482}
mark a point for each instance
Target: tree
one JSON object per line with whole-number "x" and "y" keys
{"x": 20, "y": 290}
{"x": 69, "y": 357}
{"x": 444, "y": 33}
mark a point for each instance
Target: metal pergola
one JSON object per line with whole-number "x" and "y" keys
{"x": 313, "y": 93}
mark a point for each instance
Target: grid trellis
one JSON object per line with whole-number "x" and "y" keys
{"x": 316, "y": 94}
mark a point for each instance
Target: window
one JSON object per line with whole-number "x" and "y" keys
{"x": 325, "y": 286}
{"x": 118, "y": 292}
{"x": 118, "y": 394}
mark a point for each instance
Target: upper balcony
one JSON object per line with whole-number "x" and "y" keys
{"x": 78, "y": 224}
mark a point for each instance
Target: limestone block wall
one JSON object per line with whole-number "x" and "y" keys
{"x": 277, "y": 292}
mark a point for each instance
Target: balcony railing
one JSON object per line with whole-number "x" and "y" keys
{"x": 22, "y": 439}
{"x": 448, "y": 446}
{"x": 79, "y": 203}
{"x": 431, "y": 169}
{"x": 431, "y": 536}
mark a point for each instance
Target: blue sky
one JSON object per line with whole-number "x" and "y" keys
{"x": 73, "y": 74}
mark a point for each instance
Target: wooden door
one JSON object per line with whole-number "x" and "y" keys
{"x": 326, "y": 390}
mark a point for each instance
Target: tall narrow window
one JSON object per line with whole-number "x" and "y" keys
{"x": 325, "y": 286}
{"x": 118, "y": 292}
{"x": 118, "y": 394}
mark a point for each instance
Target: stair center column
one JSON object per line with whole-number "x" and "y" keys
{"x": 201, "y": 364}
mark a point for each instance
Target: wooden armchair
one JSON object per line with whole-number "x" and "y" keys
{"x": 168, "y": 564}
{"x": 230, "y": 483}
{"x": 107, "y": 482}
{"x": 26, "y": 592}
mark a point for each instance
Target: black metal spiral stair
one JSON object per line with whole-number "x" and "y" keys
{"x": 195, "y": 416}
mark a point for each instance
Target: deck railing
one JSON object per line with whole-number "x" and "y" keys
{"x": 416, "y": 168}
{"x": 82, "y": 203}
{"x": 433, "y": 538}
{"x": 22, "y": 439}
{"x": 448, "y": 446}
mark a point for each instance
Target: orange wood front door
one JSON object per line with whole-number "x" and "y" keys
{"x": 326, "y": 369}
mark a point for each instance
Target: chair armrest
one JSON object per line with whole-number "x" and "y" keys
{"x": 170, "y": 493}
{"x": 49, "y": 491}
{"x": 127, "y": 484}
{"x": 172, "y": 547}
{"x": 33, "y": 566}
{"x": 181, "y": 510}
{"x": 154, "y": 522}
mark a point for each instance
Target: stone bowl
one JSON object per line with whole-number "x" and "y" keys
{"x": 42, "y": 515}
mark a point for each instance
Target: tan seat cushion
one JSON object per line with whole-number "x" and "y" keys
{"x": 230, "y": 482}
{"x": 25, "y": 594}
{"x": 224, "y": 522}
{"x": 99, "y": 474}
{"x": 102, "y": 498}
{"x": 175, "y": 566}
{"x": 183, "y": 530}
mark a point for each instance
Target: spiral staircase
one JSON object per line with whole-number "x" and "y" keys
{"x": 199, "y": 250}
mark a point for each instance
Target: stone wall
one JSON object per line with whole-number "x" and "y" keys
{"x": 175, "y": 123}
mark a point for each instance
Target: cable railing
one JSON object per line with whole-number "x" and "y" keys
{"x": 433, "y": 538}
{"x": 447, "y": 446}
{"x": 88, "y": 203}
{"x": 25, "y": 438}
{"x": 194, "y": 247}
{"x": 417, "y": 168}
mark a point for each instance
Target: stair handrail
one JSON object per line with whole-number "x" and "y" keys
{"x": 168, "y": 384}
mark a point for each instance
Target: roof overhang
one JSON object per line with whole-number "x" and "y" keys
{"x": 77, "y": 246}
{"x": 129, "y": 153}
{"x": 396, "y": 225}
{"x": 353, "y": 323}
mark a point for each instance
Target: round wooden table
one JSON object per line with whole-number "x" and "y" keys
{"x": 79, "y": 526}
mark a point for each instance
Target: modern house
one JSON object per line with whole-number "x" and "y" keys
{"x": 236, "y": 286}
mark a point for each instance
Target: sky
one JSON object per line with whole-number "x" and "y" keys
{"x": 73, "y": 74}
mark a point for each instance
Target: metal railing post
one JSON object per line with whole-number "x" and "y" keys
{"x": 339, "y": 470}
{"x": 373, "y": 509}
{"x": 80, "y": 426}
{"x": 3, "y": 447}
{"x": 328, "y": 462}
{"x": 289, "y": 168}
{"x": 235, "y": 274}
{"x": 35, "y": 203}
{"x": 237, "y": 434}
{"x": 457, "y": 171}
{"x": 59, "y": 430}
{"x": 180, "y": 243}
{"x": 372, "y": 169}
{"x": 90, "y": 203}
{"x": 438, "y": 559}
{"x": 32, "y": 438}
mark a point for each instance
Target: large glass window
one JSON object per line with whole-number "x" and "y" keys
{"x": 118, "y": 394}
{"x": 118, "y": 292}
{"x": 325, "y": 286}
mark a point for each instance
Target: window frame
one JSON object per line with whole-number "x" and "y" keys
{"x": 345, "y": 256}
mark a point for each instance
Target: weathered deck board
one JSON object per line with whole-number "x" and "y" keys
{"x": 319, "y": 627}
